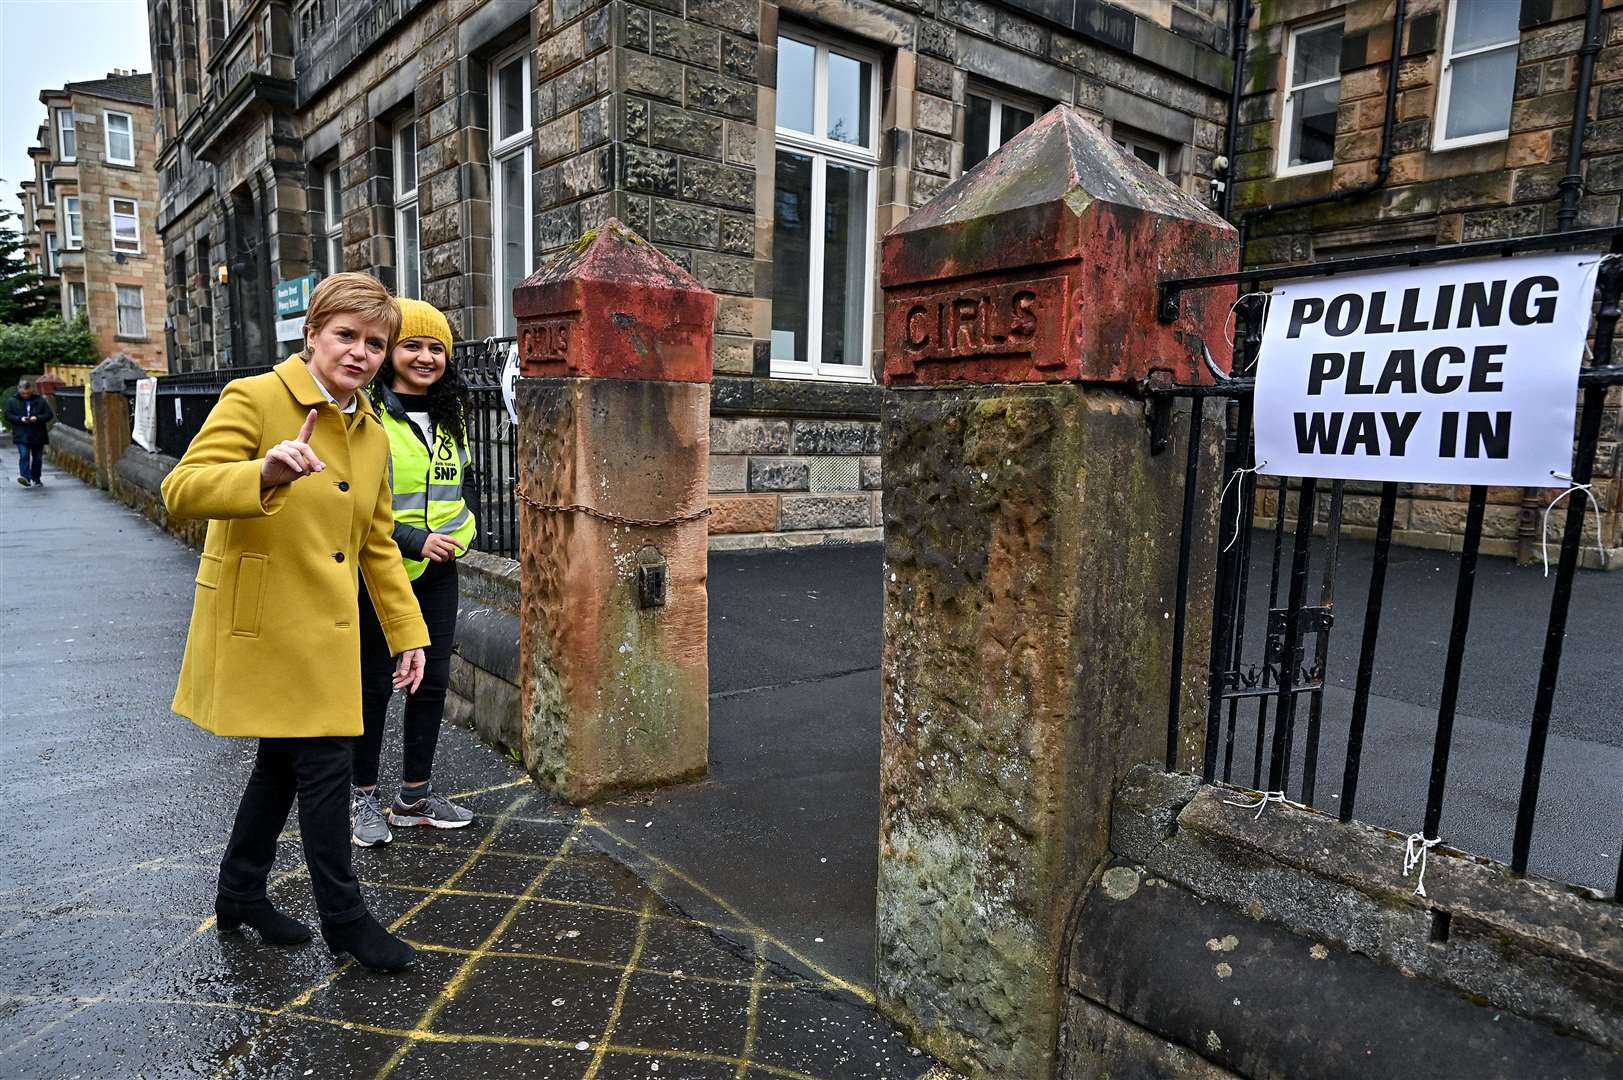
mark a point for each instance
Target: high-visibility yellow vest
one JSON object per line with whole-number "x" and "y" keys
{"x": 427, "y": 488}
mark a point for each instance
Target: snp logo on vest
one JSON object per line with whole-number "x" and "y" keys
{"x": 445, "y": 466}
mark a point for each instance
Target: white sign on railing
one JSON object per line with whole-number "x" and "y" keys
{"x": 1456, "y": 374}
{"x": 145, "y": 428}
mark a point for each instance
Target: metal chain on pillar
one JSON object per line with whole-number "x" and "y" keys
{"x": 604, "y": 515}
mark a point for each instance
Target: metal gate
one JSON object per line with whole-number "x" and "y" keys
{"x": 1267, "y": 681}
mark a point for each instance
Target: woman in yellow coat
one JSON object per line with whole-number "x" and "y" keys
{"x": 291, "y": 469}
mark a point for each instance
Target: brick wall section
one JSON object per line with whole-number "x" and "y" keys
{"x": 1492, "y": 190}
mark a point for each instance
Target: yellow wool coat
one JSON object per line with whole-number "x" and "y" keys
{"x": 274, "y": 647}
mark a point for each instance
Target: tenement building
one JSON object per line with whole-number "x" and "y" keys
{"x": 90, "y": 212}
{"x": 451, "y": 146}
{"x": 1378, "y": 125}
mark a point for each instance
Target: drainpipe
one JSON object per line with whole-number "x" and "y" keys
{"x": 1572, "y": 184}
{"x": 267, "y": 290}
{"x": 1239, "y": 35}
{"x": 1383, "y": 164}
{"x": 1572, "y": 189}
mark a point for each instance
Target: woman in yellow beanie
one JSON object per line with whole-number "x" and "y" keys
{"x": 422, "y": 401}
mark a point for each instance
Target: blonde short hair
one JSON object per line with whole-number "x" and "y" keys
{"x": 355, "y": 294}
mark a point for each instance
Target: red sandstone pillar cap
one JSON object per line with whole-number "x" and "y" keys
{"x": 613, "y": 306}
{"x": 1041, "y": 265}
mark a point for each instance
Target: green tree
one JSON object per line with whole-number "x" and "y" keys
{"x": 26, "y": 348}
{"x": 23, "y": 296}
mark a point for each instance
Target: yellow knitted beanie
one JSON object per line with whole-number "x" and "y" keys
{"x": 421, "y": 319}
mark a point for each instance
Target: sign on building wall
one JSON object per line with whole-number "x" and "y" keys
{"x": 293, "y": 296}
{"x": 145, "y": 428}
{"x": 1458, "y": 374}
{"x": 290, "y": 330}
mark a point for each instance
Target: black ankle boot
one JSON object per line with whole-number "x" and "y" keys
{"x": 277, "y": 929}
{"x": 369, "y": 943}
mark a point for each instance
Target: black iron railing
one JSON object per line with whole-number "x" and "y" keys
{"x": 1265, "y": 697}
{"x": 492, "y": 445}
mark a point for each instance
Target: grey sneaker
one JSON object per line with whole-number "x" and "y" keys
{"x": 433, "y": 809}
{"x": 366, "y": 825}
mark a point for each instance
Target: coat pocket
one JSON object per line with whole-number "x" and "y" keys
{"x": 208, "y": 571}
{"x": 245, "y": 611}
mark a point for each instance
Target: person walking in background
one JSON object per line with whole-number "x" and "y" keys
{"x": 291, "y": 471}
{"x": 29, "y": 416}
{"x": 422, "y": 401}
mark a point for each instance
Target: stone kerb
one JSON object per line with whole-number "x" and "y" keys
{"x": 1031, "y": 563}
{"x": 614, "y": 409}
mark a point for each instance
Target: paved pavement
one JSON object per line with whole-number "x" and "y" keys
{"x": 542, "y": 952}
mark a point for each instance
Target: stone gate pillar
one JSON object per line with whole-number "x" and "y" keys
{"x": 1031, "y": 545}
{"x": 109, "y": 409}
{"x": 614, "y": 413}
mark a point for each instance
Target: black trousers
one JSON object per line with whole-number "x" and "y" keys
{"x": 436, "y": 590}
{"x": 316, "y": 771}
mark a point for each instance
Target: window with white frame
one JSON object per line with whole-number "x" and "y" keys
{"x": 126, "y": 226}
{"x": 120, "y": 138}
{"x": 67, "y": 138}
{"x": 406, "y": 233}
{"x": 51, "y": 268}
{"x": 76, "y": 300}
{"x": 510, "y": 202}
{"x": 823, "y": 216}
{"x": 132, "y": 315}
{"x": 1151, "y": 151}
{"x": 72, "y": 223}
{"x": 990, "y": 120}
{"x": 1479, "y": 73}
{"x": 1312, "y": 96}
{"x": 46, "y": 174}
{"x": 332, "y": 215}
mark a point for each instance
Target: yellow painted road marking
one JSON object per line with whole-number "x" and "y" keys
{"x": 829, "y": 979}
{"x": 487, "y": 790}
{"x": 554, "y": 901}
{"x": 457, "y": 981}
{"x": 328, "y": 979}
{"x": 578, "y": 961}
{"x": 620, "y": 992}
{"x": 754, "y": 1024}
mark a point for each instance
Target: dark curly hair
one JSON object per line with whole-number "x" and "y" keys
{"x": 447, "y": 398}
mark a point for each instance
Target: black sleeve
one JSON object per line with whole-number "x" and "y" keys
{"x": 409, "y": 539}
{"x": 48, "y": 415}
{"x": 14, "y": 410}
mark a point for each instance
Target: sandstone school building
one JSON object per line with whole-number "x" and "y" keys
{"x": 451, "y": 146}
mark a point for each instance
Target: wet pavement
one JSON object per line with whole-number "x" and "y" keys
{"x": 546, "y": 947}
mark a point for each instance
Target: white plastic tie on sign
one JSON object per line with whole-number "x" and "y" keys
{"x": 1544, "y": 529}
{"x": 1259, "y": 804}
{"x": 1239, "y": 504}
{"x": 1414, "y": 855}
